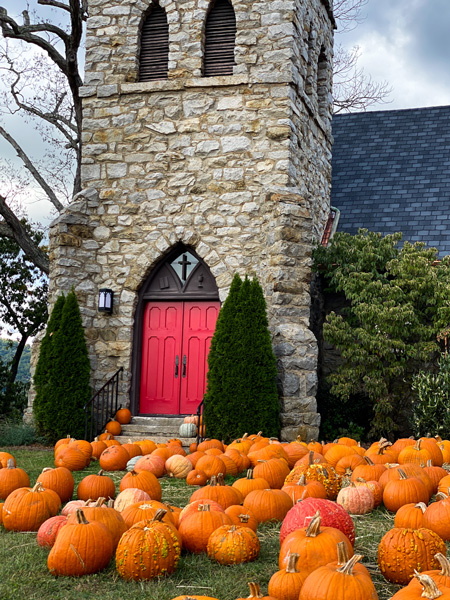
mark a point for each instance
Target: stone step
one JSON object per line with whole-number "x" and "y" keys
{"x": 149, "y": 429}
{"x": 158, "y": 439}
{"x": 163, "y": 421}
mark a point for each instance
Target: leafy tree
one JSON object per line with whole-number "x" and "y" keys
{"x": 66, "y": 365}
{"x": 7, "y": 351}
{"x": 397, "y": 303}
{"x": 431, "y": 408}
{"x": 241, "y": 394}
{"x": 23, "y": 300}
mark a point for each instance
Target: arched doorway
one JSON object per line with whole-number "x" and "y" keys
{"x": 175, "y": 320}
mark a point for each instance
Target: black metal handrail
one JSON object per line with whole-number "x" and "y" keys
{"x": 200, "y": 426}
{"x": 102, "y": 407}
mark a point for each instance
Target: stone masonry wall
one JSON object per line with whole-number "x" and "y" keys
{"x": 237, "y": 167}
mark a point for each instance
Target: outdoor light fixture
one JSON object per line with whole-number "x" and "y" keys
{"x": 105, "y": 300}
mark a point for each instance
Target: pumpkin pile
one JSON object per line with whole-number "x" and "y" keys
{"x": 313, "y": 490}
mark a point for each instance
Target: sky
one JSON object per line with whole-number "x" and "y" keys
{"x": 407, "y": 44}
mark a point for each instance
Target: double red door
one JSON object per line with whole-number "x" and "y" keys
{"x": 175, "y": 346}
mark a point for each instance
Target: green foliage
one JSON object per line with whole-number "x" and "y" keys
{"x": 7, "y": 351}
{"x": 340, "y": 418}
{"x": 23, "y": 288}
{"x": 431, "y": 409}
{"x": 62, "y": 373}
{"x": 241, "y": 394}
{"x": 397, "y": 304}
{"x": 13, "y": 395}
{"x": 18, "y": 434}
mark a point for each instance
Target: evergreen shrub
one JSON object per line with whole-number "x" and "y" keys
{"x": 62, "y": 373}
{"x": 241, "y": 394}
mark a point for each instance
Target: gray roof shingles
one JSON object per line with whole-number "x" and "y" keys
{"x": 391, "y": 172}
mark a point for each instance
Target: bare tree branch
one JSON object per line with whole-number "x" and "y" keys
{"x": 17, "y": 231}
{"x": 30, "y": 166}
{"x": 353, "y": 90}
{"x": 55, "y": 117}
{"x": 55, "y": 4}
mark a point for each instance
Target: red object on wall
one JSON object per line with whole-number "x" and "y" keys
{"x": 175, "y": 346}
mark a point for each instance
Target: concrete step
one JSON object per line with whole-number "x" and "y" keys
{"x": 158, "y": 439}
{"x": 158, "y": 429}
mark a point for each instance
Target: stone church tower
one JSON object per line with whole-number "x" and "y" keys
{"x": 206, "y": 151}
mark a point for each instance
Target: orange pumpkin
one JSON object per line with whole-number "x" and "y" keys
{"x": 148, "y": 549}
{"x": 232, "y": 545}
{"x": 123, "y": 416}
{"x": 12, "y": 478}
{"x": 81, "y": 548}
{"x": 25, "y": 509}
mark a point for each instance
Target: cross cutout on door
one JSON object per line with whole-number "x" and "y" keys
{"x": 184, "y": 265}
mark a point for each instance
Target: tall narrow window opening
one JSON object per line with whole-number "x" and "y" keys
{"x": 154, "y": 57}
{"x": 220, "y": 38}
{"x": 322, "y": 83}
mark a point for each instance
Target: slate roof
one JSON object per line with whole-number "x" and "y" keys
{"x": 391, "y": 172}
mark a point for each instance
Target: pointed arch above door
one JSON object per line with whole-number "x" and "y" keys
{"x": 174, "y": 323}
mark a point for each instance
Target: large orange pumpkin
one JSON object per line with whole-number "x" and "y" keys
{"x": 148, "y": 549}
{"x": 25, "y": 509}
{"x": 81, "y": 548}
{"x": 395, "y": 559}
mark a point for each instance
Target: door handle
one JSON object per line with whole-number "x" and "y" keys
{"x": 177, "y": 360}
{"x": 184, "y": 365}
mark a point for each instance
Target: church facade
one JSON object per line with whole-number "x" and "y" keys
{"x": 206, "y": 152}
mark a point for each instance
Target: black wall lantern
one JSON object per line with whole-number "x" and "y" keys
{"x": 105, "y": 300}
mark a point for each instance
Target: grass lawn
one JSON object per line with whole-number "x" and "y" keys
{"x": 24, "y": 574}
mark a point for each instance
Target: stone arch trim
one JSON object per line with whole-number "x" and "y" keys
{"x": 153, "y": 289}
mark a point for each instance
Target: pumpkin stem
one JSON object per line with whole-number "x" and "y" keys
{"x": 445, "y": 564}
{"x": 441, "y": 496}
{"x": 213, "y": 480}
{"x": 203, "y": 507}
{"x": 220, "y": 479}
{"x": 368, "y": 461}
{"x": 100, "y": 501}
{"x": 255, "y": 591}
{"x": 342, "y": 553}
{"x": 10, "y": 465}
{"x": 292, "y": 563}
{"x": 302, "y": 480}
{"x": 313, "y": 528}
{"x": 311, "y": 458}
{"x": 101, "y": 472}
{"x": 430, "y": 589}
{"x": 159, "y": 515}
{"x": 421, "y": 505}
{"x": 402, "y": 474}
{"x": 80, "y": 517}
{"x": 347, "y": 568}
{"x": 250, "y": 474}
{"x": 38, "y": 487}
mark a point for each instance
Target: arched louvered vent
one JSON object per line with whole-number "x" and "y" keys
{"x": 220, "y": 36}
{"x": 154, "y": 59}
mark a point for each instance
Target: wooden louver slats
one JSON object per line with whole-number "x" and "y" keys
{"x": 154, "y": 58}
{"x": 220, "y": 36}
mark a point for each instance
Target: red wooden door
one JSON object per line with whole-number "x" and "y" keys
{"x": 198, "y": 327}
{"x": 176, "y": 341}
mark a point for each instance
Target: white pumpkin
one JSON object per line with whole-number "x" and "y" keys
{"x": 188, "y": 430}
